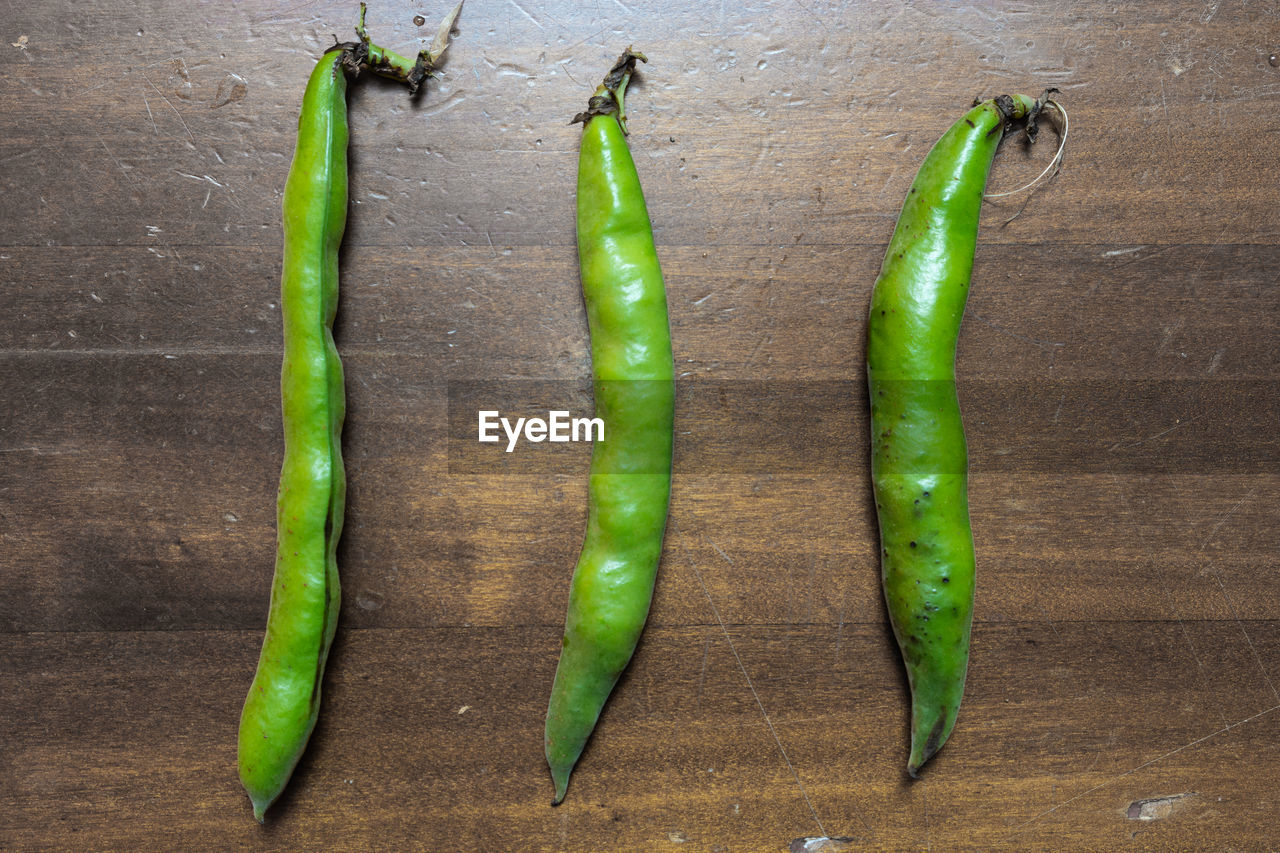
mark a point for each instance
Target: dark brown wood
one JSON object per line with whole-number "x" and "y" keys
{"x": 1117, "y": 367}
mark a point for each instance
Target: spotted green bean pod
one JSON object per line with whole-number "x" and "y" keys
{"x": 919, "y": 460}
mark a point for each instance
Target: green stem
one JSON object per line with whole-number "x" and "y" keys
{"x": 388, "y": 63}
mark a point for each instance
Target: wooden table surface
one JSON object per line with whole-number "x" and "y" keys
{"x": 1118, "y": 368}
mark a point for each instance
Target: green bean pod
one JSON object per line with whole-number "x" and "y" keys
{"x": 283, "y": 704}
{"x": 630, "y": 477}
{"x": 919, "y": 461}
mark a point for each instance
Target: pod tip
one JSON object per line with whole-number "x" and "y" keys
{"x": 561, "y": 780}
{"x": 260, "y": 806}
{"x": 924, "y": 748}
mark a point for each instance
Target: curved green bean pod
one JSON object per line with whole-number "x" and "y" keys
{"x": 283, "y": 704}
{"x": 919, "y": 461}
{"x": 630, "y": 479}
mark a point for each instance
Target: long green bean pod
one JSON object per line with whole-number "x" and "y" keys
{"x": 630, "y": 477}
{"x": 919, "y": 461}
{"x": 283, "y": 704}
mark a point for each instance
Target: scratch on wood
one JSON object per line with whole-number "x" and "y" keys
{"x": 1225, "y": 516}
{"x": 150, "y": 115}
{"x": 814, "y": 15}
{"x": 719, "y": 551}
{"x": 1222, "y": 589}
{"x": 113, "y": 157}
{"x": 1020, "y": 827}
{"x": 169, "y": 103}
{"x": 1186, "y": 636}
{"x": 525, "y": 12}
{"x": 1135, "y": 442}
{"x": 702, "y": 676}
{"x": 715, "y": 611}
{"x": 1244, "y": 633}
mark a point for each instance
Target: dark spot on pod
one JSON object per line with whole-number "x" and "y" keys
{"x": 946, "y": 579}
{"x": 917, "y": 500}
{"x": 926, "y": 494}
{"x": 970, "y": 122}
{"x": 886, "y": 552}
{"x": 913, "y": 543}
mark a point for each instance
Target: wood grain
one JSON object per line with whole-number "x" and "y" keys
{"x": 1118, "y": 367}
